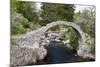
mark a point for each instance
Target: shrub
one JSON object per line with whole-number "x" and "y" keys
{"x": 34, "y": 26}
{"x": 86, "y": 20}
{"x": 93, "y": 50}
{"x": 18, "y": 24}
{"x": 73, "y": 38}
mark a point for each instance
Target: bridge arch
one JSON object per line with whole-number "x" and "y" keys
{"x": 34, "y": 37}
{"x": 78, "y": 30}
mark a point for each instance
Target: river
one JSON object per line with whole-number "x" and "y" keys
{"x": 58, "y": 54}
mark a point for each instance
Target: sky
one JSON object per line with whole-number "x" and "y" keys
{"x": 38, "y": 6}
{"x": 81, "y": 7}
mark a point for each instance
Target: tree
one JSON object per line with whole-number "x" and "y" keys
{"x": 53, "y": 12}
{"x": 27, "y": 9}
{"x": 86, "y": 20}
{"x": 23, "y": 17}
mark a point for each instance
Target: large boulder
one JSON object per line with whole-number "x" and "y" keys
{"x": 84, "y": 51}
{"x": 87, "y": 49}
{"x": 41, "y": 53}
{"x": 22, "y": 55}
{"x": 24, "y": 51}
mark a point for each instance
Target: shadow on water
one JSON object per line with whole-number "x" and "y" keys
{"x": 58, "y": 54}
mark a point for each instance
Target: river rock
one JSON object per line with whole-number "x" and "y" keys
{"x": 41, "y": 53}
{"x": 24, "y": 51}
{"x": 22, "y": 56}
{"x": 67, "y": 44}
{"x": 84, "y": 51}
{"x": 44, "y": 41}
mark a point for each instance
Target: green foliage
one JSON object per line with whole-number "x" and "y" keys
{"x": 53, "y": 12}
{"x": 31, "y": 17}
{"x": 73, "y": 38}
{"x": 34, "y": 26}
{"x": 18, "y": 24}
{"x": 86, "y": 20}
{"x": 23, "y": 17}
{"x": 13, "y": 6}
{"x": 93, "y": 50}
{"x": 76, "y": 15}
{"x": 17, "y": 29}
{"x": 55, "y": 28}
{"x": 27, "y": 9}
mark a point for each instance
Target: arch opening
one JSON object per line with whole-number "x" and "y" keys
{"x": 79, "y": 35}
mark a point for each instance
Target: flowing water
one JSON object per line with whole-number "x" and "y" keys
{"x": 58, "y": 54}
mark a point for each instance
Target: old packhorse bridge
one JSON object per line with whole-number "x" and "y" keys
{"x": 33, "y": 37}
{"x": 29, "y": 47}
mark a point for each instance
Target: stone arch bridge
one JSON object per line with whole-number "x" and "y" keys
{"x": 33, "y": 38}
{"x": 30, "y": 49}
